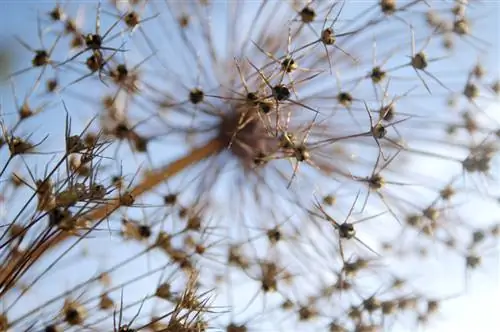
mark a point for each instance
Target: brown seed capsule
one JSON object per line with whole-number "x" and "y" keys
{"x": 105, "y": 302}
{"x": 388, "y": 7}
{"x": 307, "y": 15}
{"x": 419, "y": 61}
{"x": 196, "y": 96}
{"x": 74, "y": 313}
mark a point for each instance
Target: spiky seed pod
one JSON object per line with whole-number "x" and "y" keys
{"x": 205, "y": 103}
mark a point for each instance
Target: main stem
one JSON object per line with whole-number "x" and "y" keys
{"x": 149, "y": 182}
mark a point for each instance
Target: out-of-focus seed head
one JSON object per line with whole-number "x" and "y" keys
{"x": 328, "y": 36}
{"x": 347, "y": 231}
{"x": 307, "y": 14}
{"x": 288, "y": 65}
{"x": 461, "y": 27}
{"x": 196, "y": 96}
{"x": 388, "y": 7}
{"x": 74, "y": 313}
{"x": 419, "y": 61}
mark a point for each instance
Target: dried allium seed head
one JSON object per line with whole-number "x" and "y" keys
{"x": 379, "y": 131}
{"x": 194, "y": 223}
{"x": 183, "y": 212}
{"x": 388, "y": 7}
{"x": 120, "y": 72}
{"x": 52, "y": 328}
{"x": 350, "y": 269}
{"x": 389, "y": 307}
{"x": 288, "y": 65}
{"x": 478, "y": 236}
{"x": 74, "y": 313}
{"x": 307, "y": 313}
{"x": 265, "y": 106}
{"x": 287, "y": 305}
{"x": 451, "y": 242}
{"x": 59, "y": 217}
{"x": 281, "y": 92}
{"x": 398, "y": 283}
{"x": 471, "y": 91}
{"x": 461, "y": 27}
{"x": 495, "y": 86}
{"x": 18, "y": 146}
{"x": 196, "y": 96}
{"x": 448, "y": 41}
{"x": 433, "y": 18}
{"x": 41, "y": 58}
{"x": 164, "y": 241}
{"x": 345, "y": 99}
{"x": 495, "y": 230}
{"x": 44, "y": 187}
{"x": 52, "y": 85}
{"x": 105, "y": 302}
{"x": 16, "y": 231}
{"x": 472, "y": 261}
{"x": 126, "y": 328}
{"x": 367, "y": 328}
{"x": 431, "y": 213}
{"x": 459, "y": 8}
{"x": 329, "y": 200}
{"x": 25, "y": 111}
{"x": 432, "y": 306}
{"x": 428, "y": 230}
{"x": 409, "y": 303}
{"x": 274, "y": 235}
{"x": 132, "y": 19}
{"x": 236, "y": 328}
{"x": 377, "y": 75}
{"x": 170, "y": 199}
{"x": 93, "y": 41}
{"x": 16, "y": 180}
{"x": 70, "y": 27}
{"x": 74, "y": 144}
{"x": 67, "y": 198}
{"x": 328, "y": 36}
{"x": 307, "y": 15}
{"x": 479, "y": 71}
{"x": 372, "y": 304}
{"x": 376, "y": 182}
{"x": 95, "y": 62}
{"x": 164, "y": 291}
{"x": 419, "y": 61}
{"x": 57, "y": 14}
{"x": 347, "y": 231}
{"x": 127, "y": 199}
{"x": 77, "y": 42}
{"x": 355, "y": 313}
{"x": 269, "y": 282}
{"x": 140, "y": 143}
{"x": 200, "y": 249}
{"x": 335, "y": 327}
{"x": 301, "y": 153}
{"x": 387, "y": 112}
{"x": 183, "y": 20}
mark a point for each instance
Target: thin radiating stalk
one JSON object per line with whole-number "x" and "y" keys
{"x": 150, "y": 181}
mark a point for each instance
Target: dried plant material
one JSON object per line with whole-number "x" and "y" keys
{"x": 247, "y": 165}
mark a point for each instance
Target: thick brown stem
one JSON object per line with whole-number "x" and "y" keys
{"x": 149, "y": 182}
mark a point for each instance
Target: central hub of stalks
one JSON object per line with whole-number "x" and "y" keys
{"x": 245, "y": 135}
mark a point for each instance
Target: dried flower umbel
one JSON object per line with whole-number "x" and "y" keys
{"x": 313, "y": 175}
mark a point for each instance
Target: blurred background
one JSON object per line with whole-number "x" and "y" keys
{"x": 476, "y": 309}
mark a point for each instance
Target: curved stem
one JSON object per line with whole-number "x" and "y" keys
{"x": 149, "y": 182}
